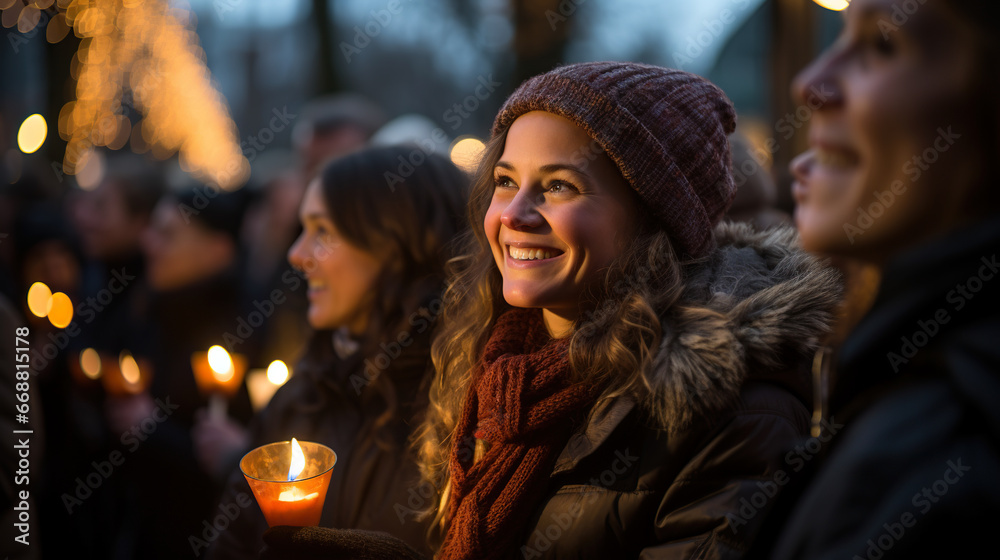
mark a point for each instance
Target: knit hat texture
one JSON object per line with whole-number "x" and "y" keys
{"x": 667, "y": 131}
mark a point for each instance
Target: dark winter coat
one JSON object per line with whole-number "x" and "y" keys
{"x": 914, "y": 474}
{"x": 732, "y": 387}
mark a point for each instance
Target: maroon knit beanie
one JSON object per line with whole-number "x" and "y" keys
{"x": 665, "y": 129}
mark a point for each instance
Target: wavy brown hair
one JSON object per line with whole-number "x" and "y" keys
{"x": 410, "y": 222}
{"x": 611, "y": 346}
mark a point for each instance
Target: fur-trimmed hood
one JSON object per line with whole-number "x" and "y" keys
{"x": 756, "y": 307}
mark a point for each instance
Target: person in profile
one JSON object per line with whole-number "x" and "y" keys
{"x": 900, "y": 175}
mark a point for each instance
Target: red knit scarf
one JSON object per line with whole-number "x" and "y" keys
{"x": 523, "y": 404}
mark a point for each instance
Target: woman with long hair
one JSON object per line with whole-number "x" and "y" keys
{"x": 372, "y": 252}
{"x": 616, "y": 374}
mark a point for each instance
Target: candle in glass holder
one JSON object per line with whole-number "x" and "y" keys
{"x": 290, "y": 480}
{"x": 262, "y": 384}
{"x": 218, "y": 375}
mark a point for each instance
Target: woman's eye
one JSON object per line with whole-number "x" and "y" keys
{"x": 503, "y": 182}
{"x": 561, "y": 187}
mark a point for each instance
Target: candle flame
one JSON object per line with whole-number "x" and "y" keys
{"x": 221, "y": 363}
{"x": 277, "y": 372}
{"x": 130, "y": 369}
{"x": 298, "y": 461}
{"x": 90, "y": 363}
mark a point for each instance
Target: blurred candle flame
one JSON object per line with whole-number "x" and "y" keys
{"x": 221, "y": 363}
{"x": 129, "y": 367}
{"x": 277, "y": 372}
{"x": 90, "y": 363}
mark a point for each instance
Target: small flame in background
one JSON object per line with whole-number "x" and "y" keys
{"x": 147, "y": 50}
{"x": 298, "y": 461}
{"x": 129, "y": 368}
{"x": 221, "y": 363}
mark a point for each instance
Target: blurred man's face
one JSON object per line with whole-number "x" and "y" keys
{"x": 181, "y": 253}
{"x": 108, "y": 230}
{"x": 892, "y": 128}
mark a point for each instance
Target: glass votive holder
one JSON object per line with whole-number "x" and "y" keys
{"x": 298, "y": 502}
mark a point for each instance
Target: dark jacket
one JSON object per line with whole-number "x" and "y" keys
{"x": 732, "y": 387}
{"x": 375, "y": 483}
{"x": 914, "y": 474}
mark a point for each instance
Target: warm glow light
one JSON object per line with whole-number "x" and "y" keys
{"x": 32, "y": 134}
{"x": 835, "y": 5}
{"x": 146, "y": 52}
{"x": 298, "y": 461}
{"x": 294, "y": 495}
{"x": 60, "y": 310}
{"x": 90, "y": 363}
{"x": 465, "y": 153}
{"x": 277, "y": 372}
{"x": 130, "y": 369}
{"x": 38, "y": 299}
{"x": 221, "y": 363}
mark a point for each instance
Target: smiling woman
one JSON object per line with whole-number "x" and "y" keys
{"x": 373, "y": 253}
{"x": 603, "y": 390}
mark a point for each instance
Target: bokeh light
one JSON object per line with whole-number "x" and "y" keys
{"x": 32, "y": 133}
{"x": 38, "y": 299}
{"x": 221, "y": 363}
{"x": 465, "y": 153}
{"x": 129, "y": 368}
{"x": 60, "y": 310}
{"x": 90, "y": 363}
{"x": 277, "y": 372}
{"x": 835, "y": 5}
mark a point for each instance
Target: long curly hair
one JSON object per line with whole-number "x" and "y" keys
{"x": 611, "y": 346}
{"x": 410, "y": 220}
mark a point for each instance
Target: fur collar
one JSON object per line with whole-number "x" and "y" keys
{"x": 755, "y": 303}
